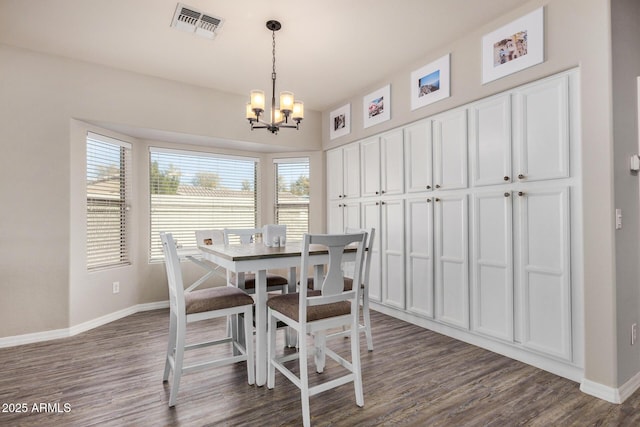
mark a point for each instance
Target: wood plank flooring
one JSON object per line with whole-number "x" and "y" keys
{"x": 112, "y": 376}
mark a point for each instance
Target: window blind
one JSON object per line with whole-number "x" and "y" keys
{"x": 108, "y": 189}
{"x": 292, "y": 196}
{"x": 197, "y": 191}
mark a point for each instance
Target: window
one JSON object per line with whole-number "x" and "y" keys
{"x": 108, "y": 189}
{"x": 196, "y": 191}
{"x": 292, "y": 196}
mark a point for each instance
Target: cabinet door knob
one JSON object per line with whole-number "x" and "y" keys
{"x": 339, "y": 196}
{"x": 520, "y": 176}
{"x": 507, "y": 194}
{"x": 437, "y": 185}
{"x": 437, "y": 200}
{"x": 506, "y": 178}
{"x": 521, "y": 193}
{"x": 383, "y": 203}
{"x": 377, "y": 192}
{"x": 382, "y": 192}
{"x": 428, "y": 200}
{"x": 377, "y": 203}
{"x": 428, "y": 187}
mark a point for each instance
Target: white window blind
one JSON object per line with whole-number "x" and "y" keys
{"x": 108, "y": 189}
{"x": 197, "y": 191}
{"x": 292, "y": 196}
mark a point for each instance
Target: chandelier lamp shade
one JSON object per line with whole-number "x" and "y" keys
{"x": 282, "y": 116}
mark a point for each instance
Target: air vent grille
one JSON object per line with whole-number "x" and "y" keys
{"x": 186, "y": 18}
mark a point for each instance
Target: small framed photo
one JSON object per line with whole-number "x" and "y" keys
{"x": 513, "y": 47}
{"x": 340, "y": 122}
{"x": 431, "y": 83}
{"x": 377, "y": 106}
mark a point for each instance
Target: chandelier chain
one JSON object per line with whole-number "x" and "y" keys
{"x": 273, "y": 34}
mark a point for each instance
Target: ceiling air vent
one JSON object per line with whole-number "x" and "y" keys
{"x": 191, "y": 20}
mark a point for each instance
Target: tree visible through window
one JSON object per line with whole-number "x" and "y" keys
{"x": 108, "y": 185}
{"x": 292, "y": 196}
{"x": 196, "y": 191}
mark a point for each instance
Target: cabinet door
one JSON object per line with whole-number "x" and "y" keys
{"x": 420, "y": 256}
{"x": 490, "y": 141}
{"x": 351, "y": 215}
{"x": 451, "y": 260}
{"x": 351, "y": 170}
{"x": 336, "y": 217}
{"x": 450, "y": 150}
{"x": 334, "y": 174}
{"x": 393, "y": 287}
{"x": 371, "y": 219}
{"x": 542, "y": 130}
{"x": 544, "y": 270}
{"x": 391, "y": 149}
{"x": 492, "y": 264}
{"x": 370, "y": 167}
{"x": 418, "y": 157}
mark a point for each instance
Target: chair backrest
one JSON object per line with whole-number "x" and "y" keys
{"x": 174, "y": 274}
{"x": 371, "y": 232}
{"x": 246, "y": 235}
{"x": 209, "y": 237}
{"x": 332, "y": 289}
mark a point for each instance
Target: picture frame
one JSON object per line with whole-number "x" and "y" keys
{"x": 376, "y": 106}
{"x": 513, "y": 47}
{"x": 340, "y": 122}
{"x": 431, "y": 82}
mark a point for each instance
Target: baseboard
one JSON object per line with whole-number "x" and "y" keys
{"x": 83, "y": 327}
{"x": 610, "y": 394}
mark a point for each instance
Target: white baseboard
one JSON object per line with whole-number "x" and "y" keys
{"x": 83, "y": 327}
{"x": 611, "y": 394}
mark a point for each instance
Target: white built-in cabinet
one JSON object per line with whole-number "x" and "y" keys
{"x": 473, "y": 210}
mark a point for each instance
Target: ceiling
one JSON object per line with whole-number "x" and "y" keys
{"x": 326, "y": 51}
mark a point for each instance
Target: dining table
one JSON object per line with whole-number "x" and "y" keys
{"x": 258, "y": 258}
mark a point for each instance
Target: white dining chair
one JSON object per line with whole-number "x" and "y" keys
{"x": 314, "y": 312}
{"x": 195, "y": 305}
{"x": 365, "y": 326}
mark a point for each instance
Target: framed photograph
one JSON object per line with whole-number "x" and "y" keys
{"x": 377, "y": 106}
{"x": 514, "y": 47}
{"x": 431, "y": 83}
{"x": 340, "y": 122}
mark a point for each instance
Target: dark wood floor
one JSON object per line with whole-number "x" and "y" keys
{"x": 112, "y": 376}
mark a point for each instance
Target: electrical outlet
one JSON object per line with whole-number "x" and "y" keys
{"x": 634, "y": 333}
{"x": 116, "y": 287}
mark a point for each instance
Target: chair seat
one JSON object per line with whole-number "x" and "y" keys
{"x": 288, "y": 304}
{"x": 202, "y": 300}
{"x": 272, "y": 280}
{"x": 348, "y": 283}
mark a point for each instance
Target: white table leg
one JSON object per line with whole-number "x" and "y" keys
{"x": 261, "y": 327}
{"x": 291, "y": 337}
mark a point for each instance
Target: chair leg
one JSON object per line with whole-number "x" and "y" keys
{"x": 248, "y": 345}
{"x": 178, "y": 361}
{"x": 170, "y": 346}
{"x": 271, "y": 350}
{"x": 304, "y": 380}
{"x": 367, "y": 321}
{"x": 320, "y": 342}
{"x": 355, "y": 362}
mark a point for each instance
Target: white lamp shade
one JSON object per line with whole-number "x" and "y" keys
{"x": 257, "y": 100}
{"x": 298, "y": 110}
{"x": 286, "y": 101}
{"x": 277, "y": 115}
{"x": 249, "y": 112}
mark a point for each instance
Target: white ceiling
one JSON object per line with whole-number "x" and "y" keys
{"x": 326, "y": 51}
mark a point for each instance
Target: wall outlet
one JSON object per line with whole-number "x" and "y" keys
{"x": 634, "y": 333}
{"x": 116, "y": 287}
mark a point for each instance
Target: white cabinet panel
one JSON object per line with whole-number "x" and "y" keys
{"x": 391, "y": 148}
{"x": 450, "y": 150}
{"x": 342, "y": 215}
{"x": 351, "y": 171}
{"x": 335, "y": 178}
{"x": 451, "y": 260}
{"x": 490, "y": 141}
{"x": 371, "y": 219}
{"x": 542, "y": 130}
{"x": 544, "y": 270}
{"x": 420, "y": 256}
{"x": 492, "y": 264}
{"x": 370, "y": 167}
{"x": 393, "y": 282}
{"x": 418, "y": 157}
{"x": 343, "y": 172}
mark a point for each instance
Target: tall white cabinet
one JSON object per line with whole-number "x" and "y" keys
{"x": 478, "y": 211}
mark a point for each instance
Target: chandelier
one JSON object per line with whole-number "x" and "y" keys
{"x": 288, "y": 109}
